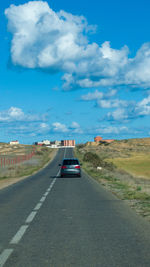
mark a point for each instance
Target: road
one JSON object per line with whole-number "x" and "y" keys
{"x": 48, "y": 221}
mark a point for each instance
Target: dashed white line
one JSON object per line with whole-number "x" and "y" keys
{"x": 42, "y": 199}
{"x": 38, "y": 206}
{"x": 4, "y": 256}
{"x": 50, "y": 187}
{"x": 31, "y": 216}
{"x": 19, "y": 234}
{"x": 15, "y": 240}
{"x": 46, "y": 193}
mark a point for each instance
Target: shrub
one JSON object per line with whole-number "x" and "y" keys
{"x": 80, "y": 146}
{"x": 92, "y": 158}
{"x": 96, "y": 161}
{"x": 39, "y": 152}
{"x": 44, "y": 149}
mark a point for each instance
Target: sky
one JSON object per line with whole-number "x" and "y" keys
{"x": 74, "y": 70}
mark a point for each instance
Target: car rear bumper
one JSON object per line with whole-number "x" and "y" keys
{"x": 71, "y": 172}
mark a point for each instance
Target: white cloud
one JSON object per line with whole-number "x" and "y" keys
{"x": 138, "y": 72}
{"x": 43, "y": 38}
{"x": 112, "y": 103}
{"x": 17, "y": 114}
{"x": 12, "y": 114}
{"x": 143, "y": 107}
{"x": 92, "y": 96}
{"x": 101, "y": 69}
{"x": 118, "y": 115}
{"x": 98, "y": 95}
{"x": 112, "y": 130}
{"x": 62, "y": 128}
{"x": 75, "y": 125}
{"x": 131, "y": 110}
{"x": 58, "y": 41}
{"x": 59, "y": 127}
{"x": 44, "y": 127}
{"x": 108, "y": 130}
{"x": 75, "y": 128}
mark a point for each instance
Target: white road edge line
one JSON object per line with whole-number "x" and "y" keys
{"x": 31, "y": 216}
{"x": 4, "y": 256}
{"x": 19, "y": 234}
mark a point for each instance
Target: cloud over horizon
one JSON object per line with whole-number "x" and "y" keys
{"x": 58, "y": 42}
{"x": 17, "y": 114}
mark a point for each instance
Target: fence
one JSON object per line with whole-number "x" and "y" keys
{"x": 8, "y": 160}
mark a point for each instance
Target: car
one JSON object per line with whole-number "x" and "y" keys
{"x": 70, "y": 166}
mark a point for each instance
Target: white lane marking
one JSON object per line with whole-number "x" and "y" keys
{"x": 19, "y": 234}
{"x": 52, "y": 184}
{"x": 15, "y": 240}
{"x": 4, "y": 256}
{"x": 42, "y": 199}
{"x": 38, "y": 206}
{"x": 31, "y": 216}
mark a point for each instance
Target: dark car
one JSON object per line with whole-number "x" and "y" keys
{"x": 70, "y": 166}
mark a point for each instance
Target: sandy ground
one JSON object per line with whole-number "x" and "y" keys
{"x": 9, "y": 181}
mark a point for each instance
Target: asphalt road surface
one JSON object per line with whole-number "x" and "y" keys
{"x": 50, "y": 221}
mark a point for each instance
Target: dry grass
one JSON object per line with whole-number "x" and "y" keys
{"x": 11, "y": 150}
{"x": 131, "y": 155}
{"x": 136, "y": 164}
{"x": 130, "y": 180}
{"x": 28, "y": 167}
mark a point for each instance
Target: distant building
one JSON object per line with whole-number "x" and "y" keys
{"x": 57, "y": 143}
{"x": 14, "y": 142}
{"x": 46, "y": 142}
{"x": 39, "y": 143}
{"x": 53, "y": 146}
{"x": 68, "y": 143}
{"x": 98, "y": 139}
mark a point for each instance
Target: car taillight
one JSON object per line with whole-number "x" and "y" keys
{"x": 77, "y": 167}
{"x": 63, "y": 167}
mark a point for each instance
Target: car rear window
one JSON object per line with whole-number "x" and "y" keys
{"x": 70, "y": 162}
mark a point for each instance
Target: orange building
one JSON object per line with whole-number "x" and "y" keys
{"x": 68, "y": 142}
{"x": 98, "y": 139}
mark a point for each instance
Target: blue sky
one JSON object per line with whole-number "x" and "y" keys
{"x": 74, "y": 69}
